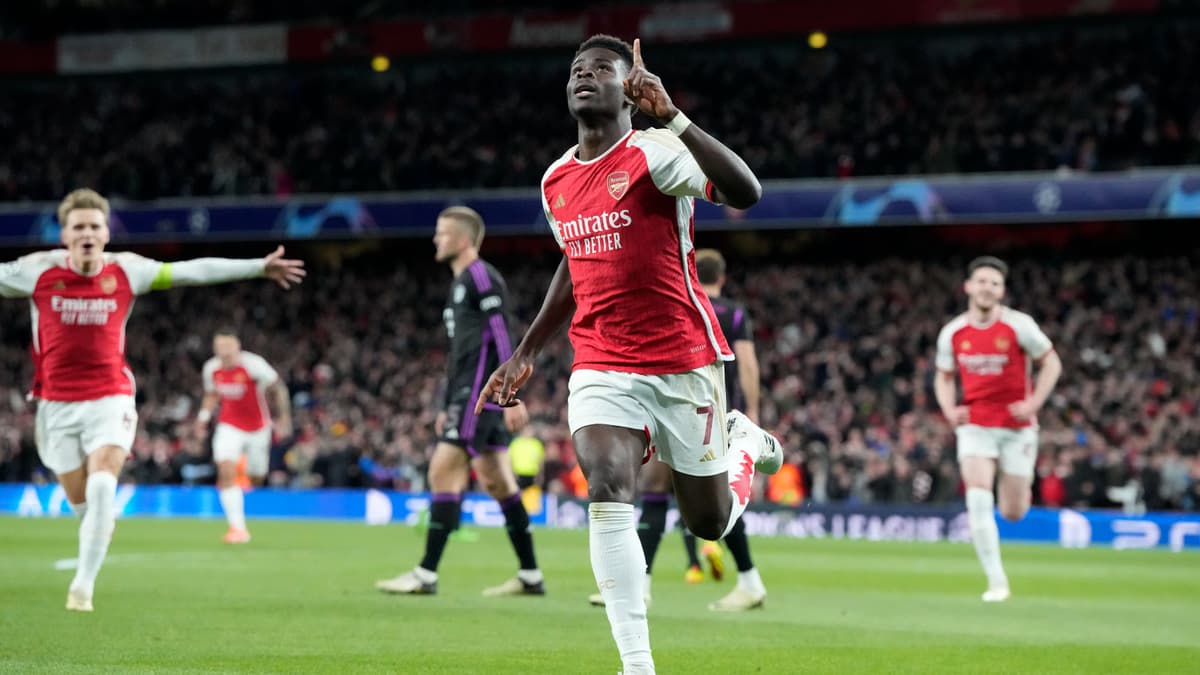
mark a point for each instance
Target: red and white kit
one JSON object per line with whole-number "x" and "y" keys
{"x": 995, "y": 365}
{"x": 648, "y": 347}
{"x": 84, "y": 386}
{"x": 244, "y": 423}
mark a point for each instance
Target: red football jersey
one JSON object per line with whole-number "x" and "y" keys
{"x": 79, "y": 321}
{"x": 625, "y": 222}
{"x": 242, "y": 389}
{"x": 994, "y": 362}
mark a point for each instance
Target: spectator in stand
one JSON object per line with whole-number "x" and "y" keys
{"x": 1029, "y": 100}
{"x": 844, "y": 362}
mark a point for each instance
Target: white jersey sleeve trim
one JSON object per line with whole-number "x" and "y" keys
{"x": 19, "y": 277}
{"x": 209, "y": 370}
{"x": 546, "y": 204}
{"x": 141, "y": 270}
{"x": 945, "y": 344}
{"x": 683, "y": 222}
{"x": 672, "y": 166}
{"x": 258, "y": 368}
{"x": 1029, "y": 334}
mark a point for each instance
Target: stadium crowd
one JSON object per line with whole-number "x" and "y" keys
{"x": 1021, "y": 99}
{"x": 50, "y": 18}
{"x": 846, "y": 352}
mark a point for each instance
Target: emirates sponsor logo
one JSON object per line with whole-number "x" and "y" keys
{"x": 584, "y": 226}
{"x": 83, "y": 311}
{"x": 588, "y": 235}
{"x": 983, "y": 364}
{"x": 233, "y": 390}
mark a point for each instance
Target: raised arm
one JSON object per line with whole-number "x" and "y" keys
{"x": 556, "y": 310}
{"x": 735, "y": 184}
{"x": 151, "y": 275}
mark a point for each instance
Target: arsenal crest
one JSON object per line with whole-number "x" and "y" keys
{"x": 1002, "y": 344}
{"x": 618, "y": 184}
{"x": 108, "y": 283}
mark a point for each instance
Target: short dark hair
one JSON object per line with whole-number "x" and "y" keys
{"x": 988, "y": 261}
{"x": 611, "y": 43}
{"x": 710, "y": 265}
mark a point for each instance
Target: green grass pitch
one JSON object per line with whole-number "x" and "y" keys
{"x": 300, "y": 599}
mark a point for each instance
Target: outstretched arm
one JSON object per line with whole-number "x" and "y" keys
{"x": 556, "y": 310}
{"x": 736, "y": 185}
{"x": 205, "y": 271}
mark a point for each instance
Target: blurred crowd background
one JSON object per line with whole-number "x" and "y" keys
{"x": 846, "y": 347}
{"x": 845, "y": 322}
{"x": 1034, "y": 99}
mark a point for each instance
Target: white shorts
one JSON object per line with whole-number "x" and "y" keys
{"x": 1015, "y": 450}
{"x": 68, "y": 431}
{"x": 229, "y": 442}
{"x": 682, "y": 414}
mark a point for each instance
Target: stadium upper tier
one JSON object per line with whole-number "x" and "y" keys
{"x": 48, "y": 19}
{"x": 1101, "y": 98}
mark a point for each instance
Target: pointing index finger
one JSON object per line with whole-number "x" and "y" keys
{"x": 637, "y": 53}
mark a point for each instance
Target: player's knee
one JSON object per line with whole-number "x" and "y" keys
{"x": 108, "y": 458}
{"x": 710, "y": 527}
{"x": 1013, "y": 512}
{"x": 496, "y": 489}
{"x": 610, "y": 491}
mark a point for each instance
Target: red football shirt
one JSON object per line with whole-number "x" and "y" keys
{"x": 625, "y": 222}
{"x": 994, "y": 362}
{"x": 79, "y": 321}
{"x": 242, "y": 389}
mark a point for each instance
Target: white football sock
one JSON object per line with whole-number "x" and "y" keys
{"x": 982, "y": 520}
{"x": 96, "y": 528}
{"x": 530, "y": 576}
{"x": 620, "y": 569}
{"x": 80, "y": 510}
{"x": 750, "y": 582}
{"x": 233, "y": 502}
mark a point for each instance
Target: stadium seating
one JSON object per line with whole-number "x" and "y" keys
{"x": 848, "y": 391}
{"x": 1034, "y": 100}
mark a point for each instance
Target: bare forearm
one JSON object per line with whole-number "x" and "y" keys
{"x": 752, "y": 400}
{"x": 1047, "y": 377}
{"x": 944, "y": 391}
{"x": 207, "y": 405}
{"x": 555, "y": 312}
{"x": 283, "y": 401}
{"x": 749, "y": 376}
{"x": 737, "y": 184}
